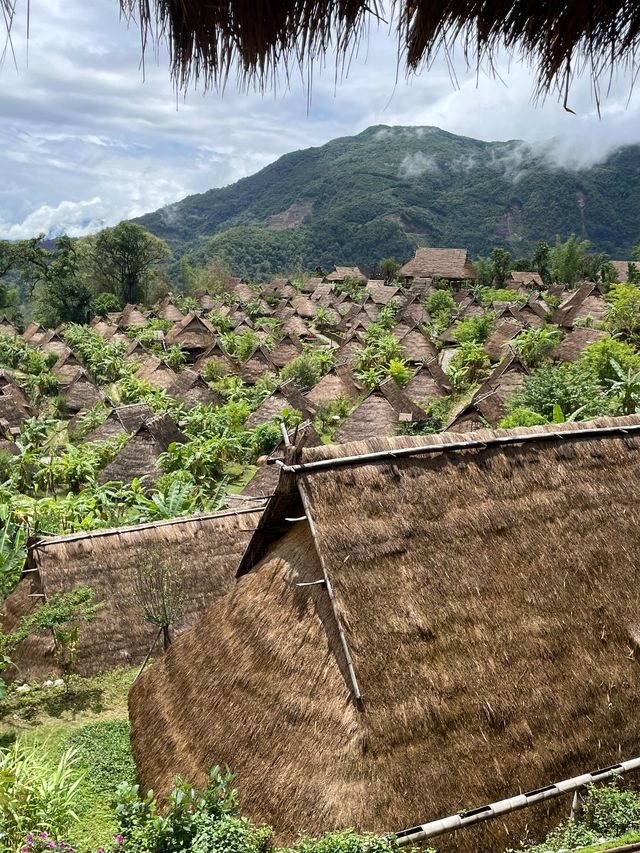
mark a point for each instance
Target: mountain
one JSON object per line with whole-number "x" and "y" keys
{"x": 387, "y": 190}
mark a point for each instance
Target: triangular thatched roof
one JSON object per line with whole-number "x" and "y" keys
{"x": 140, "y": 454}
{"x": 286, "y": 396}
{"x": 419, "y": 623}
{"x": 574, "y": 343}
{"x": 382, "y": 412}
{"x": 191, "y": 389}
{"x": 206, "y": 548}
{"x": 194, "y": 333}
{"x": 586, "y": 301}
{"x": 122, "y": 419}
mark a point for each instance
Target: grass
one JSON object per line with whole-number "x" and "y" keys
{"x": 92, "y": 719}
{"x": 627, "y": 838}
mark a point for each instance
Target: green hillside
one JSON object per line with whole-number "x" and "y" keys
{"x": 386, "y": 190}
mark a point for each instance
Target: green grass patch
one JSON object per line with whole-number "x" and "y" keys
{"x": 627, "y": 838}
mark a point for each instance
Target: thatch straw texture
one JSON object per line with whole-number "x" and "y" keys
{"x": 7, "y": 327}
{"x": 489, "y": 601}
{"x": 139, "y": 455}
{"x": 206, "y": 549}
{"x": 382, "y": 412}
{"x": 451, "y": 264}
{"x": 130, "y": 316}
{"x": 586, "y": 301}
{"x": 338, "y": 382}
{"x": 256, "y": 366}
{"x": 194, "y": 333}
{"x": 428, "y": 383}
{"x": 155, "y": 371}
{"x": 285, "y": 350}
{"x": 497, "y": 344}
{"x": 573, "y": 344}
{"x": 518, "y": 279}
{"x": 622, "y": 269}
{"x": 191, "y": 389}
{"x": 340, "y": 273}
{"x": 417, "y": 347}
{"x": 120, "y": 420}
{"x": 81, "y": 393}
{"x": 287, "y": 396}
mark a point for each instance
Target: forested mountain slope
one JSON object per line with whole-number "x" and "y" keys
{"x": 389, "y": 189}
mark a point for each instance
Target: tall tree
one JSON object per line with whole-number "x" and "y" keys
{"x": 126, "y": 259}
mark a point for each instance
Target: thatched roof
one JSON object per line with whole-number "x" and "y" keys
{"x": 264, "y": 481}
{"x": 52, "y": 342}
{"x": 285, "y": 350}
{"x": 338, "y": 382}
{"x": 518, "y": 278}
{"x": 496, "y": 345}
{"x": 259, "y": 364}
{"x": 191, "y": 389}
{"x": 416, "y": 346}
{"x": 139, "y": 455}
{"x": 216, "y": 354}
{"x": 489, "y": 402}
{"x": 194, "y": 333}
{"x": 572, "y": 345}
{"x": 479, "y": 598}
{"x": 7, "y": 327}
{"x": 586, "y": 301}
{"x": 12, "y": 413}
{"x": 10, "y": 388}
{"x": 80, "y": 391}
{"x": 622, "y": 269}
{"x": 428, "y": 383}
{"x": 167, "y": 310}
{"x": 206, "y": 548}
{"x": 340, "y": 273}
{"x": 155, "y": 371}
{"x": 450, "y": 264}
{"x": 208, "y": 42}
{"x": 104, "y": 329}
{"x": 304, "y": 307}
{"x": 287, "y": 396}
{"x": 34, "y": 334}
{"x": 122, "y": 419}
{"x": 382, "y": 412}
{"x": 130, "y": 316}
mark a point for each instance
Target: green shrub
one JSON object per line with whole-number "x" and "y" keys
{"x": 305, "y": 369}
{"x": 475, "y": 329}
{"x": 344, "y": 841}
{"x": 522, "y": 417}
{"x": 441, "y": 307}
{"x": 35, "y": 795}
{"x": 468, "y": 365}
{"x": 623, "y": 315}
{"x": 103, "y": 304}
{"x": 570, "y": 386}
{"x": 597, "y": 358}
{"x": 611, "y": 810}
{"x": 512, "y": 296}
{"x": 533, "y": 345}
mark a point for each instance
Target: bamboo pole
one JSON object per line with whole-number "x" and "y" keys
{"x": 497, "y": 441}
{"x": 521, "y": 801}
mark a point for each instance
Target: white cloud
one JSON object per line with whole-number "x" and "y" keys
{"x": 82, "y": 123}
{"x": 417, "y": 164}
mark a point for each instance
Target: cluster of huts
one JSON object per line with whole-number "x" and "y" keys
{"x": 400, "y": 627}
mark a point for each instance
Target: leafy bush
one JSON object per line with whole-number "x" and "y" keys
{"x": 35, "y": 796}
{"x": 441, "y": 307}
{"x": 522, "y": 418}
{"x": 575, "y": 390}
{"x": 533, "y": 345}
{"x": 345, "y": 841}
{"x": 305, "y": 369}
{"x": 611, "y": 810}
{"x": 240, "y": 347}
{"x": 103, "y": 304}
{"x": 467, "y": 365}
{"x": 623, "y": 314}
{"x": 490, "y": 296}
{"x": 598, "y": 357}
{"x": 175, "y": 357}
{"x": 475, "y": 329}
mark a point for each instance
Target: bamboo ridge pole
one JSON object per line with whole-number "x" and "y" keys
{"x": 498, "y": 441}
{"x": 511, "y": 804}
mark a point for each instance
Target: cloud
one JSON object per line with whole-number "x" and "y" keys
{"x": 82, "y": 121}
{"x": 417, "y": 164}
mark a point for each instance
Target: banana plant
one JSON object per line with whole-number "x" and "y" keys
{"x": 13, "y": 551}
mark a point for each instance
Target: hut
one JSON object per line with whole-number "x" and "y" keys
{"x": 122, "y": 419}
{"x": 206, "y": 549}
{"x": 304, "y": 307}
{"x": 287, "y": 348}
{"x": 34, "y": 334}
{"x": 194, "y": 334}
{"x": 435, "y": 621}
{"x": 534, "y": 313}
{"x": 166, "y": 309}
{"x": 488, "y": 404}
{"x": 7, "y": 327}
{"x": 498, "y": 342}
{"x": 382, "y": 293}
{"x": 338, "y": 382}
{"x": 341, "y": 273}
{"x": 524, "y": 281}
{"x": 264, "y": 481}
{"x": 383, "y": 411}
{"x": 137, "y": 459}
{"x": 217, "y": 356}
{"x": 80, "y": 392}
{"x": 66, "y": 367}
{"x": 12, "y": 413}
{"x": 103, "y": 328}
{"x": 52, "y": 343}
{"x": 417, "y": 348}
{"x": 574, "y": 342}
{"x": 10, "y": 388}
{"x": 258, "y": 364}
{"x": 156, "y": 372}
{"x": 622, "y": 269}
{"x": 191, "y": 389}
{"x": 586, "y": 301}
{"x": 286, "y": 396}
{"x": 130, "y": 316}
{"x": 428, "y": 383}
{"x": 449, "y": 264}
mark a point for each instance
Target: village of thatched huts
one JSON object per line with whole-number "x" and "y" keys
{"x": 419, "y": 624}
{"x": 204, "y": 550}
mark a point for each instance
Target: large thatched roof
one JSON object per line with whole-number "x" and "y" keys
{"x": 208, "y": 40}
{"x": 206, "y": 549}
{"x": 479, "y": 598}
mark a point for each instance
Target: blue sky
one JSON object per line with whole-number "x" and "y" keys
{"x": 87, "y": 138}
